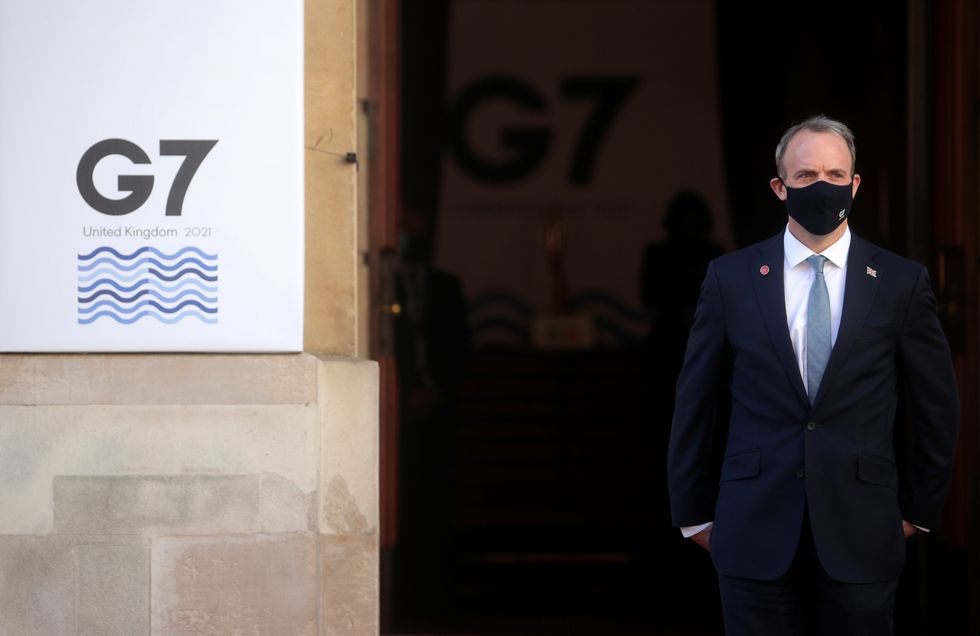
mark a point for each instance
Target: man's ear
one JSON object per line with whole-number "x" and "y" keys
{"x": 855, "y": 182}
{"x": 780, "y": 189}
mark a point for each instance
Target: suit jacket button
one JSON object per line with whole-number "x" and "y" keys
{"x": 799, "y": 473}
{"x": 811, "y": 425}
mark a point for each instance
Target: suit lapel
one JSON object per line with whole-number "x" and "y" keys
{"x": 771, "y": 296}
{"x": 859, "y": 293}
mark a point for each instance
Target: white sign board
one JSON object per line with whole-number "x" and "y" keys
{"x": 151, "y": 175}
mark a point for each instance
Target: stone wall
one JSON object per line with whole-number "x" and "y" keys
{"x": 212, "y": 494}
{"x": 188, "y": 494}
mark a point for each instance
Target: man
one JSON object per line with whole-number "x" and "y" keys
{"x": 813, "y": 336}
{"x": 431, "y": 345}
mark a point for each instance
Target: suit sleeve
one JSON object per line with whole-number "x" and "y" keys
{"x": 692, "y": 491}
{"x": 933, "y": 408}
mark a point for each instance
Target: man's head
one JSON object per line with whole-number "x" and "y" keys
{"x": 819, "y": 125}
{"x": 688, "y": 217}
{"x": 415, "y": 236}
{"x": 817, "y": 149}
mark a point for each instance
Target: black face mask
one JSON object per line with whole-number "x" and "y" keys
{"x": 819, "y": 207}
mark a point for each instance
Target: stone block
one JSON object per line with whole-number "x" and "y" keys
{"x": 135, "y": 504}
{"x": 37, "y": 586}
{"x": 113, "y": 588}
{"x": 157, "y": 379}
{"x": 37, "y": 443}
{"x": 262, "y": 584}
{"x": 349, "y": 588}
{"x": 348, "y": 446}
{"x": 283, "y": 507}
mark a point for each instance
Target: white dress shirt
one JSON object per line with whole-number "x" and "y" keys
{"x": 797, "y": 278}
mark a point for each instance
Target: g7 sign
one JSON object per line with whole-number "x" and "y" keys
{"x": 533, "y": 143}
{"x": 139, "y": 187}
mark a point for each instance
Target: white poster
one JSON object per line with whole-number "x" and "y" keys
{"x": 151, "y": 175}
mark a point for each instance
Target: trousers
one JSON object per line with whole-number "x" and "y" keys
{"x": 806, "y": 601}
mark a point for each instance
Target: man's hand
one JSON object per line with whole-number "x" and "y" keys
{"x": 702, "y": 537}
{"x": 909, "y": 529}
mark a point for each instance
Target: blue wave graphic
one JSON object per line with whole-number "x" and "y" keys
{"x": 186, "y": 292}
{"x": 109, "y": 292}
{"x": 148, "y": 303}
{"x": 111, "y": 273}
{"x": 145, "y": 314}
{"x": 155, "y": 294}
{"x": 147, "y": 261}
{"x": 126, "y": 288}
{"x": 144, "y": 250}
{"x": 108, "y": 281}
{"x": 143, "y": 273}
{"x": 187, "y": 281}
{"x": 181, "y": 273}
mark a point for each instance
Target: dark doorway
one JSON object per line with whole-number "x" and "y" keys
{"x": 538, "y": 504}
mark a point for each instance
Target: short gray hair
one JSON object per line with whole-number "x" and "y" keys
{"x": 818, "y": 124}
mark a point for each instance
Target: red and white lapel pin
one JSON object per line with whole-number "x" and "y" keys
{"x": 873, "y": 273}
{"x": 764, "y": 270}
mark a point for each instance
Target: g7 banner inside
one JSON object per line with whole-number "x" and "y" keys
{"x": 151, "y": 175}
{"x": 562, "y": 162}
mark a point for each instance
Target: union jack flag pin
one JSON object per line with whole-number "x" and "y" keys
{"x": 872, "y": 273}
{"x": 764, "y": 270}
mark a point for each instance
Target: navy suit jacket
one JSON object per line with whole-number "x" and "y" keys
{"x": 834, "y": 453}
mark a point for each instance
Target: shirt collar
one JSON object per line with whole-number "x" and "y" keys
{"x": 797, "y": 252}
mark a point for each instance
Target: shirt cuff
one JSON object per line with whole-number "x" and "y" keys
{"x": 690, "y": 531}
{"x": 920, "y": 528}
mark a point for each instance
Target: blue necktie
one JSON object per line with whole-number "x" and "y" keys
{"x": 817, "y": 327}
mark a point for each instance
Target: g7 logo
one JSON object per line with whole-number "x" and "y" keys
{"x": 531, "y": 145}
{"x": 139, "y": 187}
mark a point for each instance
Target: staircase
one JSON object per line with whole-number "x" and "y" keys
{"x": 559, "y": 482}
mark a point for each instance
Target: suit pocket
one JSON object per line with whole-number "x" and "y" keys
{"x": 741, "y": 466}
{"x": 880, "y": 471}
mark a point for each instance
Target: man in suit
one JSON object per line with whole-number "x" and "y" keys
{"x": 813, "y": 336}
{"x": 431, "y": 347}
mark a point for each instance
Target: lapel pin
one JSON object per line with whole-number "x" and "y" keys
{"x": 764, "y": 270}
{"x": 872, "y": 273}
